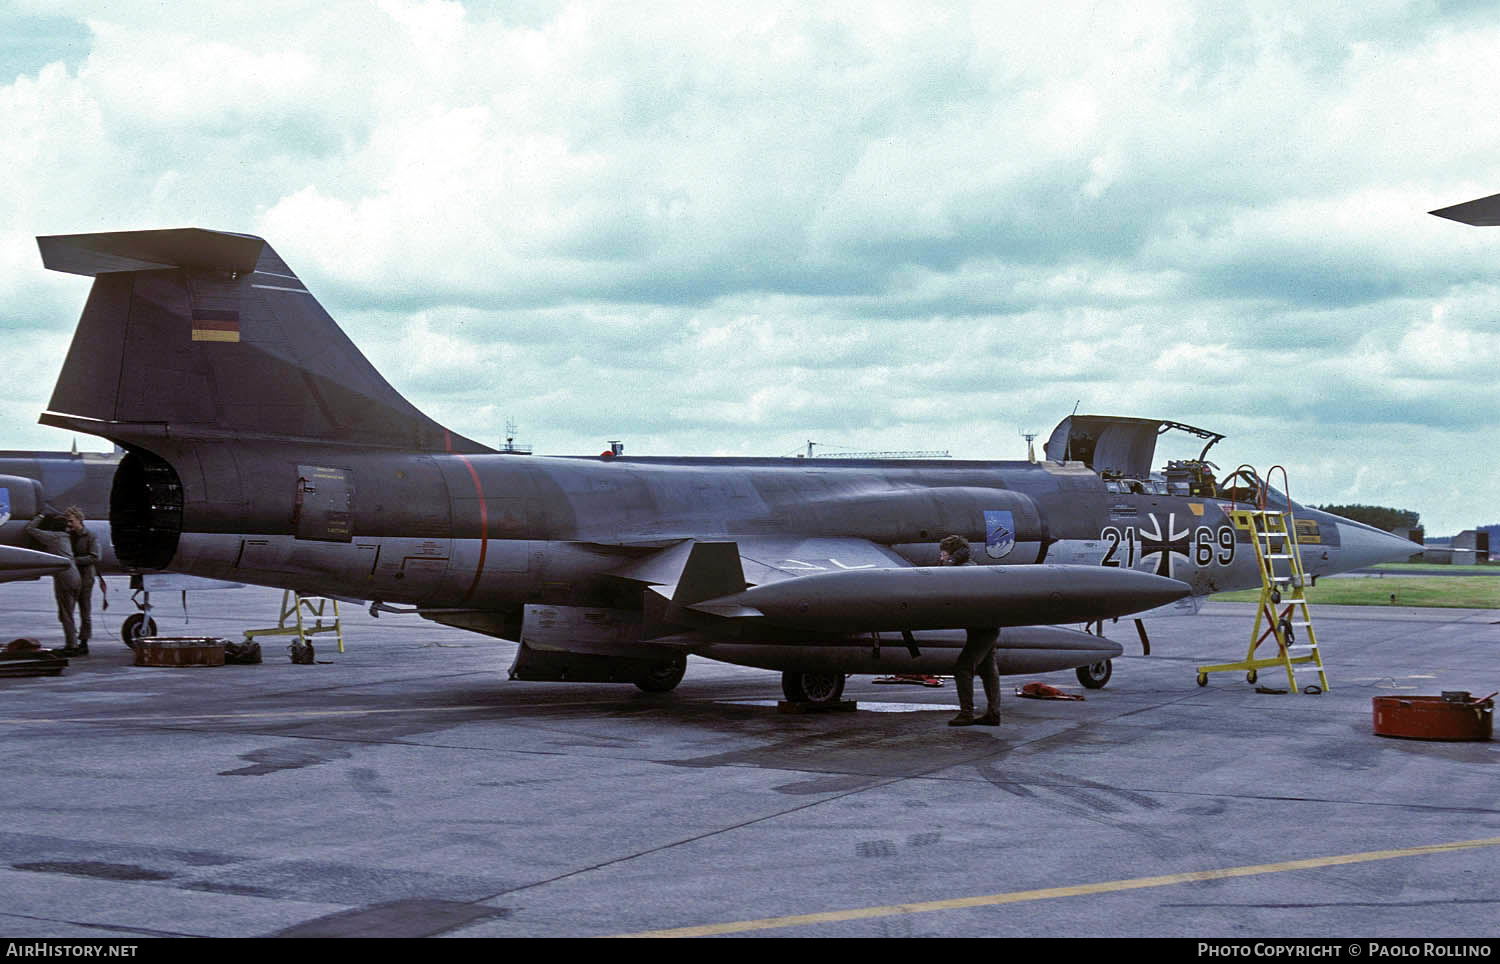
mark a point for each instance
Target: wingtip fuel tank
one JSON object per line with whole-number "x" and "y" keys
{"x": 928, "y": 597}
{"x": 17, "y": 563}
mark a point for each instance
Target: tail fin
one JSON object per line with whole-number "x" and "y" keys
{"x": 195, "y": 332}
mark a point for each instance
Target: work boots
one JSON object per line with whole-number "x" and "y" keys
{"x": 967, "y": 718}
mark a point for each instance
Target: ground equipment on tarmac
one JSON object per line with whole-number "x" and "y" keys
{"x": 1273, "y": 533}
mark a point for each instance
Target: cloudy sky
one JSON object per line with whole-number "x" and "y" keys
{"x": 731, "y": 228}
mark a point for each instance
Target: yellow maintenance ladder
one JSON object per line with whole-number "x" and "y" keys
{"x": 1273, "y": 533}
{"x": 293, "y": 604}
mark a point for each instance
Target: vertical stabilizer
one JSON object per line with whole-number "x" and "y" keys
{"x": 201, "y": 333}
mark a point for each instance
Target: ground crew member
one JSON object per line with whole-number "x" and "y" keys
{"x": 978, "y": 654}
{"x": 86, "y": 558}
{"x": 50, "y": 534}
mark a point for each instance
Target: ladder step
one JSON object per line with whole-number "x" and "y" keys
{"x": 1278, "y": 555}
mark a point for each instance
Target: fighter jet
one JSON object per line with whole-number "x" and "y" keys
{"x": 35, "y": 482}
{"x": 262, "y": 447}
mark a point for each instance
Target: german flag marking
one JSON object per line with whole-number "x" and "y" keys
{"x": 214, "y": 324}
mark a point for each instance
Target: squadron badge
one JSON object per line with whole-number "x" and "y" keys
{"x": 999, "y": 533}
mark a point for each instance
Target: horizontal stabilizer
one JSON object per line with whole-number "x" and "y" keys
{"x": 96, "y": 254}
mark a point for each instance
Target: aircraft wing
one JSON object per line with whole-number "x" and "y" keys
{"x": 853, "y": 585}
{"x": 769, "y": 559}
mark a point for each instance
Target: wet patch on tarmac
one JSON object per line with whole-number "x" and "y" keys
{"x": 368, "y": 782}
{"x": 837, "y": 784}
{"x": 1211, "y": 809}
{"x": 355, "y": 884}
{"x": 875, "y": 745}
{"x": 93, "y": 868}
{"x": 417, "y": 917}
{"x": 38, "y": 849}
{"x": 1069, "y": 793}
{"x": 276, "y": 759}
{"x": 233, "y": 890}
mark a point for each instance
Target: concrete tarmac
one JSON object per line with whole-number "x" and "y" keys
{"x": 406, "y": 788}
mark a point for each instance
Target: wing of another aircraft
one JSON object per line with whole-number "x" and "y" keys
{"x": 1482, "y": 212}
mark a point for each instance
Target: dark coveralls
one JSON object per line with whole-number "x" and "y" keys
{"x": 977, "y": 656}
{"x": 65, "y": 584}
{"x": 86, "y": 557}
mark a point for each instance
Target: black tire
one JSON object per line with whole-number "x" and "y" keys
{"x": 813, "y": 687}
{"x": 1095, "y": 675}
{"x": 665, "y": 677}
{"x": 135, "y": 626}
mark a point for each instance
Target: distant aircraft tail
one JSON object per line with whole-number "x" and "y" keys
{"x": 194, "y": 333}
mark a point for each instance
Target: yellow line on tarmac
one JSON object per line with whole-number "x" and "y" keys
{"x": 1021, "y": 896}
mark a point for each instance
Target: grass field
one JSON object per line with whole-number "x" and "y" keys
{"x": 1492, "y": 568}
{"x": 1462, "y": 592}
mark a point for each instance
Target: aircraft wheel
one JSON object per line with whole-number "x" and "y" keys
{"x": 135, "y": 626}
{"x": 1251, "y": 676}
{"x": 1202, "y": 679}
{"x": 813, "y": 687}
{"x": 665, "y": 677}
{"x": 1095, "y": 675}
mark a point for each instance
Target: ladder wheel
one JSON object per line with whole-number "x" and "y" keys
{"x": 1251, "y": 676}
{"x": 1202, "y": 679}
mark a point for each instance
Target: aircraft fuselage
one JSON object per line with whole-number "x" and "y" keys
{"x": 496, "y": 532}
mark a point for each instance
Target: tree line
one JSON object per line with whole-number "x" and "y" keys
{"x": 1379, "y": 516}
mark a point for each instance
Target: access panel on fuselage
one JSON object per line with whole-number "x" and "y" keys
{"x": 325, "y": 498}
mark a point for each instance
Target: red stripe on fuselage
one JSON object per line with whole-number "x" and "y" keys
{"x": 484, "y": 526}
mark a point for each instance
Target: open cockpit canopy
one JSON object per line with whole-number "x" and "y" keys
{"x": 1116, "y": 446}
{"x": 1123, "y": 449}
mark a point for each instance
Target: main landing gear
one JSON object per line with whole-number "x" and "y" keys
{"x": 1095, "y": 675}
{"x": 664, "y": 677}
{"x": 819, "y": 689}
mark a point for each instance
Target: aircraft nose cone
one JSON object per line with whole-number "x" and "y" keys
{"x": 1361, "y": 546}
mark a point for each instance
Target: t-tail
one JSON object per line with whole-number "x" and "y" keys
{"x": 190, "y": 333}
{"x": 191, "y": 339}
